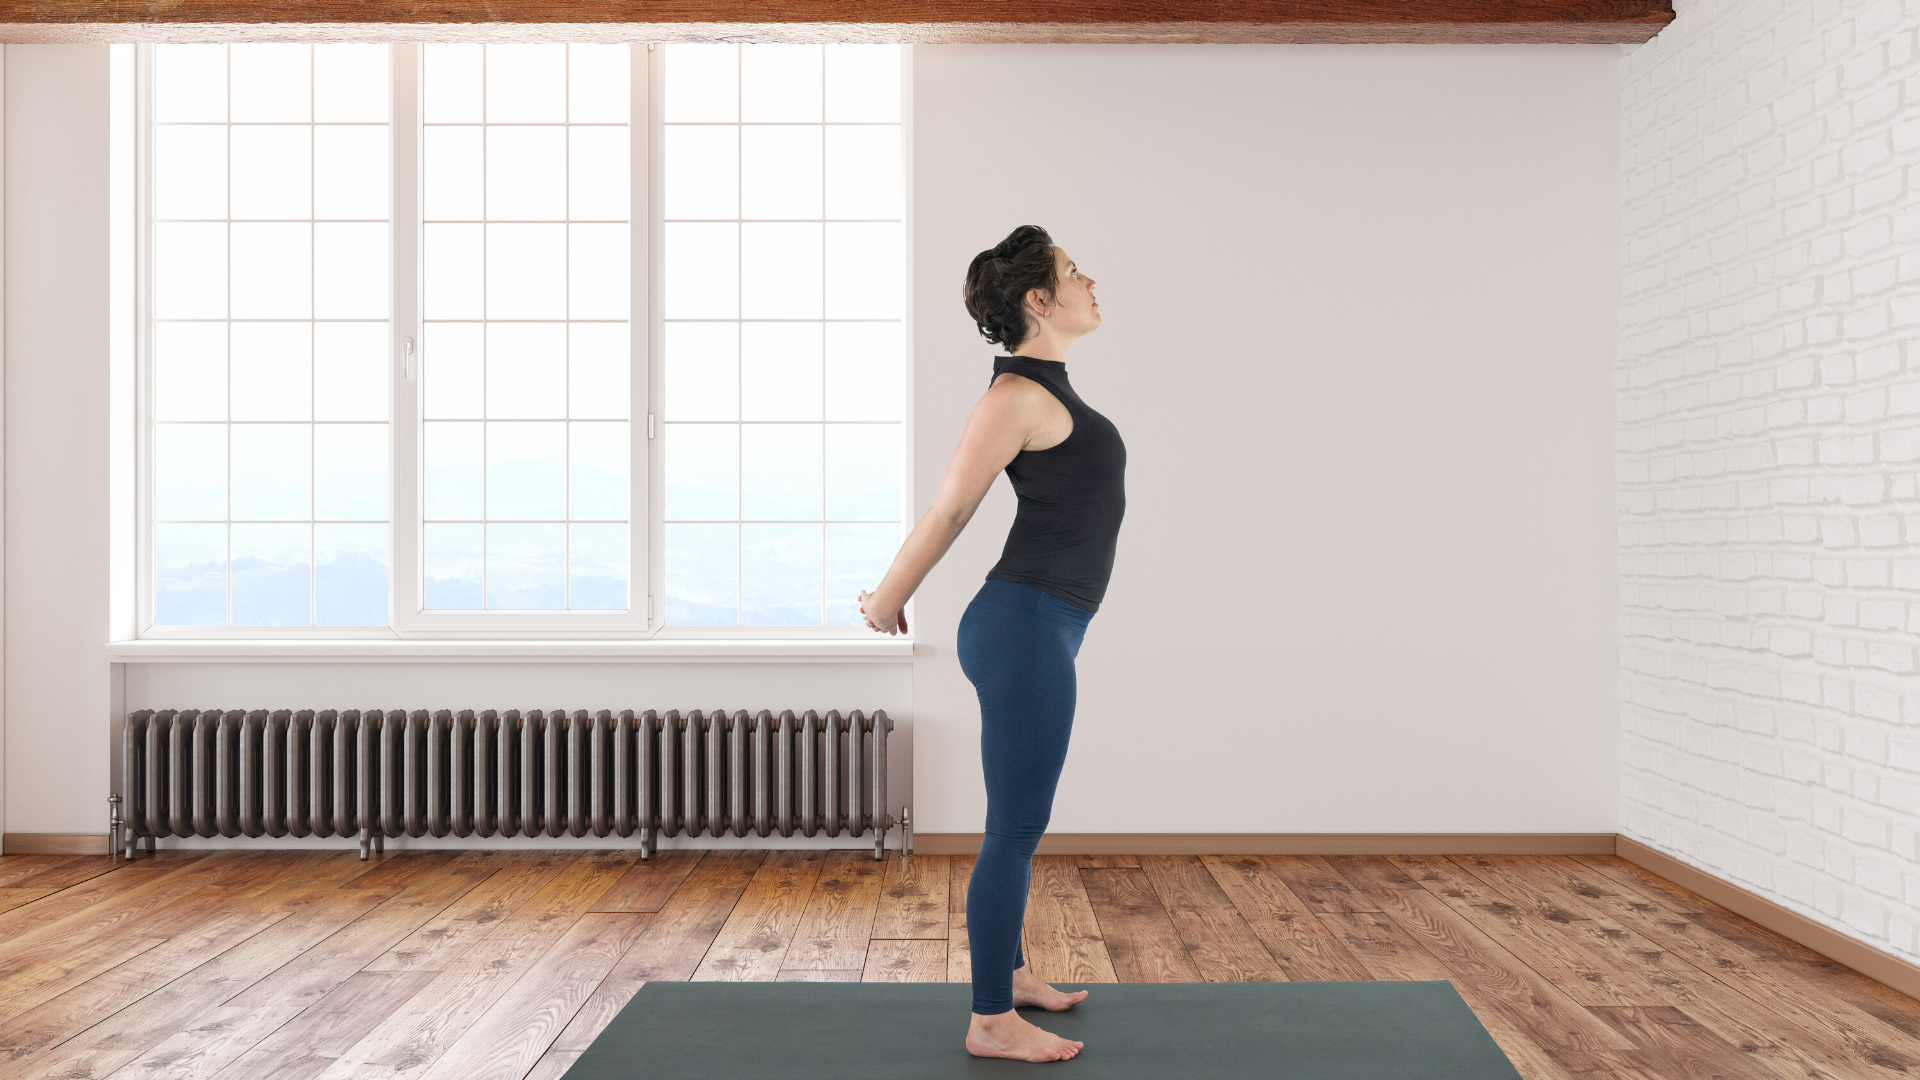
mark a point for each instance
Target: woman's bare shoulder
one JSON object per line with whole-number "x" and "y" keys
{"x": 1016, "y": 390}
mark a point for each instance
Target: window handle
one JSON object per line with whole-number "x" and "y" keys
{"x": 406, "y": 359}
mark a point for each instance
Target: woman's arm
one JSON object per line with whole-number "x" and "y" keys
{"x": 1007, "y": 417}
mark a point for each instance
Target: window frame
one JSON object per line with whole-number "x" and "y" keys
{"x": 408, "y": 616}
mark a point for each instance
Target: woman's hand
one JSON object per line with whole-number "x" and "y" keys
{"x": 880, "y": 620}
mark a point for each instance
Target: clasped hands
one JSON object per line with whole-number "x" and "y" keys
{"x": 897, "y": 624}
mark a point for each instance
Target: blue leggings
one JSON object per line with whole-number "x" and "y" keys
{"x": 1017, "y": 646}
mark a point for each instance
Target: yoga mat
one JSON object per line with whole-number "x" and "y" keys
{"x": 1133, "y": 1031}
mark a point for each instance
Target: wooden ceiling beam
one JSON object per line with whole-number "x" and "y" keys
{"x": 930, "y": 21}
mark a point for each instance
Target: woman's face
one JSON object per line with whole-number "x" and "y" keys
{"x": 1074, "y": 310}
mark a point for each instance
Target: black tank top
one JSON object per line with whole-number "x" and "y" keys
{"x": 1072, "y": 497}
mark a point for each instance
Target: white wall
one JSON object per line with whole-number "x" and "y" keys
{"x": 1359, "y": 318}
{"x": 56, "y": 446}
{"x": 1360, "y": 308}
{"x": 1769, "y": 430}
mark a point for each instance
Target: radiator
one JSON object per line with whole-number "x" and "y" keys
{"x": 391, "y": 773}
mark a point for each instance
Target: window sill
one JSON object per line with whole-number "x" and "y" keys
{"x": 376, "y": 650}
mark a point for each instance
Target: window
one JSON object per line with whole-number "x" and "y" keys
{"x": 438, "y": 342}
{"x": 527, "y": 350}
{"x": 269, "y": 335}
{"x": 784, "y": 259}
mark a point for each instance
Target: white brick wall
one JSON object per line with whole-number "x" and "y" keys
{"x": 1769, "y": 440}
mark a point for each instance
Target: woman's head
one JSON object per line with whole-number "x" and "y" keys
{"x": 1025, "y": 282}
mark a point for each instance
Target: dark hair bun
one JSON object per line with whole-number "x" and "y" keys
{"x": 998, "y": 281}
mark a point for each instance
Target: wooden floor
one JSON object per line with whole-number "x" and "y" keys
{"x": 506, "y": 964}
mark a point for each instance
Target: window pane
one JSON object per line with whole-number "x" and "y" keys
{"x": 599, "y": 358}
{"x": 863, "y": 472}
{"x": 526, "y": 271}
{"x": 248, "y": 469}
{"x": 272, "y": 171}
{"x": 597, "y": 467}
{"x": 780, "y": 270}
{"x": 350, "y": 172}
{"x": 701, "y": 172}
{"x": 272, "y": 573}
{"x": 350, "y": 371}
{"x": 747, "y": 299}
{"x": 865, "y": 279}
{"x": 190, "y": 472}
{"x": 451, "y": 74}
{"x": 703, "y": 575}
{"x": 350, "y": 85}
{"x": 350, "y": 575}
{"x": 866, "y": 368}
{"x": 857, "y": 558}
{"x": 271, "y": 83}
{"x": 863, "y": 171}
{"x": 272, "y": 270}
{"x": 780, "y": 575}
{"x": 598, "y": 162}
{"x": 350, "y": 472}
{"x": 526, "y": 371}
{"x": 598, "y": 272}
{"x": 456, "y": 285}
{"x": 350, "y": 262}
{"x": 190, "y": 575}
{"x": 703, "y": 270}
{"x": 189, "y": 270}
{"x": 272, "y": 371}
{"x": 527, "y": 173}
{"x": 863, "y": 83}
{"x": 597, "y": 567}
{"x": 454, "y": 554}
{"x": 455, "y": 366}
{"x": 597, "y": 90}
{"x": 780, "y": 371}
{"x": 272, "y": 472}
{"x": 703, "y": 472}
{"x": 703, "y": 371}
{"x": 190, "y": 371}
{"x": 455, "y": 173}
{"x": 526, "y": 566}
{"x": 455, "y": 456}
{"x": 780, "y": 471}
{"x": 780, "y": 172}
{"x": 526, "y": 84}
{"x": 190, "y": 85}
{"x": 526, "y": 472}
{"x": 780, "y": 83}
{"x": 517, "y": 282}
{"x": 703, "y": 83}
{"x": 190, "y": 171}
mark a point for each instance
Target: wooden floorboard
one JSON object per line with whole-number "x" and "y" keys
{"x": 1135, "y": 928}
{"x": 914, "y": 899}
{"x": 307, "y": 965}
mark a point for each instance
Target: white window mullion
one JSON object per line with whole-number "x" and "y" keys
{"x": 404, "y": 432}
{"x": 145, "y": 569}
{"x": 646, "y": 534}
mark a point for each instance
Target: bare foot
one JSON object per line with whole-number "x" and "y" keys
{"x": 1008, "y": 1035}
{"x": 1029, "y": 990}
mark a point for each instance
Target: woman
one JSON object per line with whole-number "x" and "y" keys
{"x": 1019, "y": 636}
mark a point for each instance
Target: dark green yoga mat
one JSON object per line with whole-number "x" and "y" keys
{"x": 1133, "y": 1031}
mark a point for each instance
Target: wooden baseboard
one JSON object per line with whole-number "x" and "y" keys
{"x": 54, "y": 843}
{"x": 1287, "y": 843}
{"x": 1875, "y": 964}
